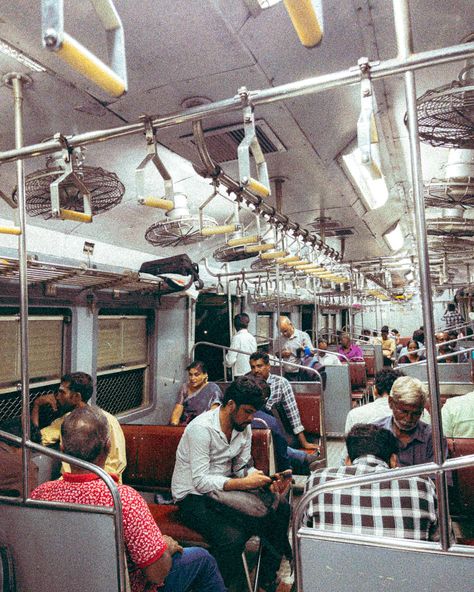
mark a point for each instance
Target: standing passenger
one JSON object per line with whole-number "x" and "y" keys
{"x": 293, "y": 340}
{"x": 244, "y": 341}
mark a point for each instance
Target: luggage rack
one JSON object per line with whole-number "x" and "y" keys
{"x": 81, "y": 277}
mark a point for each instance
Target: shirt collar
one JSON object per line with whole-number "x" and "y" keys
{"x": 370, "y": 460}
{"x": 84, "y": 477}
{"x": 420, "y": 433}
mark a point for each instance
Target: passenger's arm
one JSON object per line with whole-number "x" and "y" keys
{"x": 176, "y": 414}
{"x": 252, "y": 481}
{"x": 304, "y": 442}
{"x": 231, "y": 356}
{"x": 290, "y": 407}
{"x": 157, "y": 571}
{"x": 48, "y": 399}
{"x": 197, "y": 449}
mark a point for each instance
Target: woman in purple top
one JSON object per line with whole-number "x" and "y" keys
{"x": 195, "y": 396}
{"x": 352, "y": 352}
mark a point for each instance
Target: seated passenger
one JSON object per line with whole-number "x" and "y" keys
{"x": 281, "y": 397}
{"x": 285, "y": 457}
{"x": 75, "y": 391}
{"x": 400, "y": 508}
{"x": 310, "y": 359}
{"x": 388, "y": 346}
{"x": 351, "y": 351}
{"x": 413, "y": 354}
{"x": 11, "y": 468}
{"x": 407, "y": 400}
{"x": 153, "y": 559}
{"x": 195, "y": 396}
{"x": 458, "y": 416}
{"x": 214, "y": 456}
{"x": 327, "y": 359}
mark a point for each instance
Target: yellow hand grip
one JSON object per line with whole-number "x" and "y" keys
{"x": 243, "y": 240}
{"x": 273, "y": 255}
{"x": 257, "y": 187}
{"x": 296, "y": 263}
{"x": 10, "y": 230}
{"x": 289, "y": 259}
{"x": 87, "y": 64}
{"x": 75, "y": 216}
{"x": 259, "y": 248}
{"x": 305, "y": 21}
{"x": 158, "y": 202}
{"x": 308, "y": 267}
{"x": 219, "y": 230}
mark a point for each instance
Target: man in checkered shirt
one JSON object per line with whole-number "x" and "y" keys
{"x": 400, "y": 508}
{"x": 452, "y": 318}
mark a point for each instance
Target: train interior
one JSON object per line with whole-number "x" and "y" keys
{"x": 309, "y": 181}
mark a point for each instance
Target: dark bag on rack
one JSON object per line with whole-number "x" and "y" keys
{"x": 180, "y": 265}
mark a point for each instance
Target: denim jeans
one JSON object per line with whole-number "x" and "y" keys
{"x": 194, "y": 569}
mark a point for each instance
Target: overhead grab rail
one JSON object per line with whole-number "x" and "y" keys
{"x": 110, "y": 78}
{"x": 163, "y": 203}
{"x": 367, "y": 136}
{"x": 250, "y": 143}
{"x": 70, "y": 175}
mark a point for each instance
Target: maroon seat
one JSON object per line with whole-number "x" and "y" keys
{"x": 358, "y": 378}
{"x": 309, "y": 406}
{"x": 462, "y": 502}
{"x": 370, "y": 366}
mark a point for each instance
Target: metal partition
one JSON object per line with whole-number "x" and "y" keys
{"x": 455, "y": 373}
{"x": 337, "y": 400}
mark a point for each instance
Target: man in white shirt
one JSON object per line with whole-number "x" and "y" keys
{"x": 458, "y": 416}
{"x": 292, "y": 341}
{"x": 243, "y": 341}
{"x": 327, "y": 359}
{"x": 214, "y": 455}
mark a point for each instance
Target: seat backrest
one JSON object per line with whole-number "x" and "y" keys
{"x": 370, "y": 365}
{"x": 424, "y": 568}
{"x": 56, "y": 549}
{"x": 463, "y": 479}
{"x": 151, "y": 453}
{"x": 358, "y": 374}
{"x": 309, "y": 406}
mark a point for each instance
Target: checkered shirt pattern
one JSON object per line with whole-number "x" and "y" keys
{"x": 453, "y": 319}
{"x": 282, "y": 393}
{"x": 401, "y": 508}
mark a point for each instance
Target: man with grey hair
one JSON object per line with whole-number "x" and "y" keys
{"x": 407, "y": 400}
{"x": 292, "y": 341}
{"x": 154, "y": 559}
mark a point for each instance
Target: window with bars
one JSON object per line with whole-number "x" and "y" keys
{"x": 122, "y": 363}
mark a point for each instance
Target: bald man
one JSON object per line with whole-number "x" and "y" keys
{"x": 292, "y": 340}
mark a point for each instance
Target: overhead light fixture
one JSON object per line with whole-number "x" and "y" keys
{"x": 369, "y": 180}
{"x": 394, "y": 237}
{"x": 20, "y": 57}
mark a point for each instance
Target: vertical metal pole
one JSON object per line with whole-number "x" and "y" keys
{"x": 401, "y": 13}
{"x": 229, "y": 306}
{"x": 277, "y": 289}
{"x": 17, "y": 83}
{"x": 316, "y": 317}
{"x": 351, "y": 318}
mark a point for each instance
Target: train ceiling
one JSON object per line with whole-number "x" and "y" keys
{"x": 180, "y": 49}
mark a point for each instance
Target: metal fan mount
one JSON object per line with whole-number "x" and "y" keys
{"x": 182, "y": 231}
{"x": 452, "y": 245}
{"x": 105, "y": 187}
{"x": 446, "y": 114}
{"x": 450, "y": 223}
{"x": 442, "y": 193}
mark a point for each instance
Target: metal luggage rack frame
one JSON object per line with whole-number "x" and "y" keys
{"x": 80, "y": 277}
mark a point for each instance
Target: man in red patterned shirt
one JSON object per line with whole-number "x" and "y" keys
{"x": 154, "y": 561}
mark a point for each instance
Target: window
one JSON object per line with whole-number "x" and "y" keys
{"x": 122, "y": 362}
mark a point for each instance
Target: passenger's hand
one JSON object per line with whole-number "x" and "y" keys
{"x": 48, "y": 399}
{"x": 257, "y": 479}
{"x": 173, "y": 546}
{"x": 282, "y": 483}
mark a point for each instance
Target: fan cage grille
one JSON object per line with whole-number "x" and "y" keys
{"x": 185, "y": 230}
{"x": 105, "y": 188}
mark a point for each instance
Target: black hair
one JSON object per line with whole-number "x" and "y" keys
{"x": 81, "y": 383}
{"x": 14, "y": 426}
{"x": 263, "y": 385}
{"x": 365, "y": 438}
{"x": 395, "y": 331}
{"x": 85, "y": 433}
{"x": 244, "y": 390}
{"x": 451, "y": 307}
{"x": 384, "y": 329}
{"x": 241, "y": 321}
{"x": 384, "y": 380}
{"x": 260, "y": 355}
{"x": 419, "y": 336}
{"x": 197, "y": 364}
